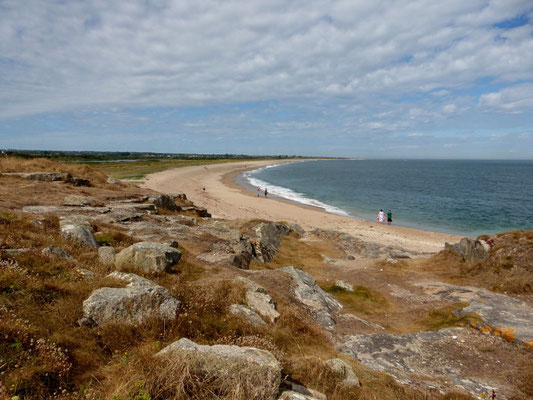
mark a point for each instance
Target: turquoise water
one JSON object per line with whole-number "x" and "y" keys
{"x": 453, "y": 196}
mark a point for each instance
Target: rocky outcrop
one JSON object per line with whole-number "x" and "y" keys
{"x": 344, "y": 370}
{"x": 148, "y": 257}
{"x": 138, "y": 302}
{"x": 78, "y": 229}
{"x": 495, "y": 313}
{"x": 244, "y": 365}
{"x": 268, "y": 238}
{"x": 344, "y": 285}
{"x": 55, "y": 251}
{"x": 41, "y": 176}
{"x": 425, "y": 358}
{"x": 319, "y": 304}
{"x": 107, "y": 254}
{"x": 470, "y": 249}
{"x": 164, "y": 201}
{"x": 247, "y": 314}
{"x": 78, "y": 201}
{"x": 258, "y": 299}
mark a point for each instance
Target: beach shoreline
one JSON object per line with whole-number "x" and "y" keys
{"x": 214, "y": 188}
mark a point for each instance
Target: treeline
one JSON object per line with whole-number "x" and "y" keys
{"x": 96, "y": 156}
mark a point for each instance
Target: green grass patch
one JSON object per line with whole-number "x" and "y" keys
{"x": 361, "y": 300}
{"x": 443, "y": 317}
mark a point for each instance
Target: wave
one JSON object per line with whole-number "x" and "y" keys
{"x": 289, "y": 194}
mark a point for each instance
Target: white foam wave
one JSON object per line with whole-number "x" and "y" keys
{"x": 289, "y": 194}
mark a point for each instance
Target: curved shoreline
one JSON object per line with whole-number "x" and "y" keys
{"x": 214, "y": 187}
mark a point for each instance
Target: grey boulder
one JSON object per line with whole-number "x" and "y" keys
{"x": 344, "y": 370}
{"x": 247, "y": 314}
{"x": 78, "y": 229}
{"x": 148, "y": 257}
{"x": 258, "y": 299}
{"x": 319, "y": 304}
{"x": 55, "y": 251}
{"x": 107, "y": 254}
{"x": 470, "y": 249}
{"x": 245, "y": 365}
{"x": 139, "y": 301}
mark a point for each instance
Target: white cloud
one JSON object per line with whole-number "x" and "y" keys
{"x": 58, "y": 55}
{"x": 513, "y": 99}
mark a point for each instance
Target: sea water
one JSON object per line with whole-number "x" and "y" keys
{"x": 464, "y": 197}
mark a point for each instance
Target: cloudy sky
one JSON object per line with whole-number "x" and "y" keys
{"x": 399, "y": 78}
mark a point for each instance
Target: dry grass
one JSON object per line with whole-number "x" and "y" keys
{"x": 508, "y": 269}
{"x": 17, "y": 164}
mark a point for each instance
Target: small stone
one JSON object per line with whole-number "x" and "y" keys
{"x": 55, "y": 251}
{"x": 247, "y": 314}
{"x": 107, "y": 254}
{"x": 344, "y": 285}
{"x": 343, "y": 369}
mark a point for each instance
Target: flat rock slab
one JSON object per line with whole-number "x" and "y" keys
{"x": 501, "y": 315}
{"x": 428, "y": 359}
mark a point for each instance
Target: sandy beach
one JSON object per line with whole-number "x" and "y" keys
{"x": 223, "y": 198}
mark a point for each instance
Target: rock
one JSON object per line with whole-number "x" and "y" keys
{"x": 298, "y": 391}
{"x": 202, "y": 212}
{"x": 78, "y": 201}
{"x": 41, "y": 176}
{"x": 319, "y": 304}
{"x": 164, "y": 201}
{"x": 173, "y": 244}
{"x": 361, "y": 320}
{"x": 79, "y": 181}
{"x": 242, "y": 260}
{"x": 244, "y": 365}
{"x": 132, "y": 207}
{"x": 139, "y": 301}
{"x": 292, "y": 395}
{"x": 107, "y": 254}
{"x": 469, "y": 249}
{"x": 78, "y": 230}
{"x": 498, "y": 314}
{"x": 422, "y": 358}
{"x": 84, "y": 273}
{"x": 55, "y": 251}
{"x": 247, "y": 314}
{"x": 148, "y": 257}
{"x": 258, "y": 299}
{"x": 113, "y": 181}
{"x": 344, "y": 370}
{"x": 268, "y": 239}
{"x": 344, "y": 285}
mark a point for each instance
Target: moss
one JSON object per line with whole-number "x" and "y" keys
{"x": 443, "y": 317}
{"x": 362, "y": 299}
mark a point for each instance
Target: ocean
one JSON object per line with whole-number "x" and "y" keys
{"x": 464, "y": 197}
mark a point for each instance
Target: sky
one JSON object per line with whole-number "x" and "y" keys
{"x": 355, "y": 78}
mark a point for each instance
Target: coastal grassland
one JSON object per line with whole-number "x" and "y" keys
{"x": 362, "y": 300}
{"x": 136, "y": 170}
{"x": 508, "y": 269}
{"x": 45, "y": 354}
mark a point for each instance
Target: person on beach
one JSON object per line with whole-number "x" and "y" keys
{"x": 389, "y": 217}
{"x": 266, "y": 192}
{"x": 381, "y": 216}
{"x": 258, "y": 191}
